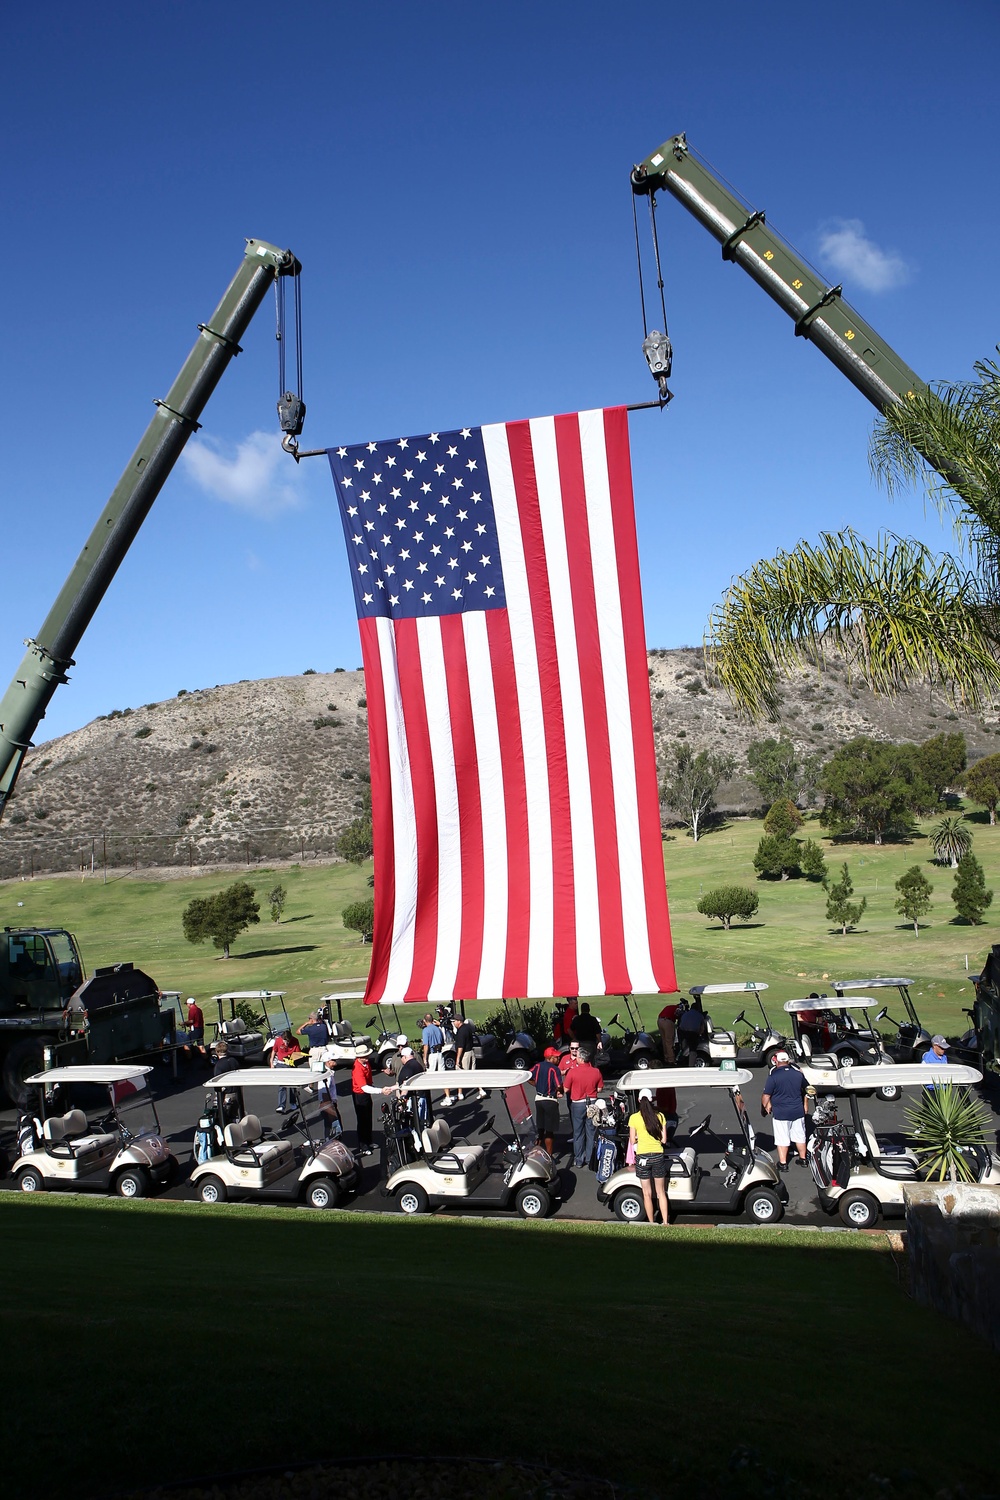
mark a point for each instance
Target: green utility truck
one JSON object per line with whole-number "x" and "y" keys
{"x": 51, "y": 1013}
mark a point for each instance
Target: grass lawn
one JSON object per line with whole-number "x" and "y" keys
{"x": 149, "y": 1342}
{"x": 789, "y": 945}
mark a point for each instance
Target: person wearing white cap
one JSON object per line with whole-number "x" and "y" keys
{"x": 784, "y": 1099}
{"x": 647, "y": 1136}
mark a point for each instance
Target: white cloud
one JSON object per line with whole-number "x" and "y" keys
{"x": 847, "y": 251}
{"x": 255, "y": 476}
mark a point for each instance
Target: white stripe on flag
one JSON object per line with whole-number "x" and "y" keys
{"x": 449, "y": 828}
{"x": 529, "y": 695}
{"x": 589, "y": 961}
{"x": 609, "y": 623}
{"x": 404, "y": 823}
{"x": 492, "y": 804}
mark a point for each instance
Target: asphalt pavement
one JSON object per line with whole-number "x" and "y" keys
{"x": 180, "y": 1102}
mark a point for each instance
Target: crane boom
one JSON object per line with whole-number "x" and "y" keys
{"x": 820, "y": 312}
{"x": 50, "y": 654}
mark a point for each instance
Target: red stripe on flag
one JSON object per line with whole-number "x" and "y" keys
{"x": 470, "y": 811}
{"x": 418, "y": 747}
{"x": 647, "y": 787}
{"x": 564, "y": 968}
{"x": 515, "y": 801}
{"x": 595, "y": 709}
{"x": 382, "y": 822}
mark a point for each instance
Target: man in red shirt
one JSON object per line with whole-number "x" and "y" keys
{"x": 583, "y": 1083}
{"x": 666, "y": 1023}
{"x": 195, "y": 1027}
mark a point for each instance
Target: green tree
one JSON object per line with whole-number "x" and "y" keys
{"x": 691, "y": 782}
{"x": 222, "y": 917}
{"x": 777, "y": 858}
{"x": 969, "y": 892}
{"x": 982, "y": 783}
{"x": 897, "y": 613}
{"x": 276, "y": 900}
{"x": 914, "y": 900}
{"x": 776, "y": 771}
{"x": 355, "y": 842}
{"x": 359, "y": 916}
{"x": 869, "y": 790}
{"x": 942, "y": 759}
{"x": 951, "y": 840}
{"x": 839, "y": 907}
{"x": 783, "y": 818}
{"x": 729, "y": 901}
{"x": 812, "y": 861}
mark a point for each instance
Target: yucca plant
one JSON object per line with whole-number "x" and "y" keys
{"x": 951, "y": 840}
{"x": 943, "y": 1125}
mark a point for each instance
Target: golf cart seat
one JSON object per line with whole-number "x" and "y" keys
{"x": 682, "y": 1163}
{"x": 67, "y": 1136}
{"x": 817, "y": 1059}
{"x": 242, "y": 1042}
{"x": 901, "y": 1164}
{"x": 444, "y": 1156}
{"x": 341, "y": 1031}
{"x": 246, "y": 1147}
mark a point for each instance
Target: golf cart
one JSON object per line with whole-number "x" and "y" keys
{"x": 509, "y": 1049}
{"x": 345, "y": 1044}
{"x": 122, "y": 1152}
{"x": 388, "y": 1041}
{"x": 246, "y": 1159}
{"x": 832, "y": 1033}
{"x": 712, "y": 1046}
{"x": 859, "y": 1174}
{"x": 912, "y": 1038}
{"x": 731, "y": 1176}
{"x": 244, "y": 1043}
{"x": 430, "y": 1168}
{"x": 765, "y": 1041}
{"x": 633, "y": 1047}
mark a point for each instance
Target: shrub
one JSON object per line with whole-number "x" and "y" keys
{"x": 729, "y": 901}
{"x": 359, "y": 916}
{"x": 812, "y": 860}
{"x": 777, "y": 857}
{"x": 783, "y": 818}
{"x": 325, "y": 721}
{"x": 143, "y": 733}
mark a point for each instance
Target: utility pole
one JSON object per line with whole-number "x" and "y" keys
{"x": 104, "y": 855}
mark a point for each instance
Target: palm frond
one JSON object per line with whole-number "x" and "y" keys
{"x": 947, "y": 1126}
{"x": 897, "y": 613}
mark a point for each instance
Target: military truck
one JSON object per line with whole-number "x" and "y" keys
{"x": 51, "y": 1013}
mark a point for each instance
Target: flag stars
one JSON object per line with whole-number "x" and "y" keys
{"x": 359, "y": 463}
{"x": 357, "y": 540}
{"x": 476, "y": 496}
{"x": 372, "y": 447}
{"x": 404, "y": 443}
{"x": 435, "y": 551}
{"x": 413, "y": 505}
{"x": 421, "y": 567}
{"x": 418, "y": 536}
{"x": 382, "y": 509}
{"x": 407, "y": 473}
{"x": 386, "y": 540}
{"x": 421, "y": 457}
{"x": 439, "y": 468}
{"x": 366, "y": 494}
{"x": 362, "y": 567}
{"x": 390, "y": 462}
{"x": 404, "y": 554}
{"x": 407, "y": 583}
{"x": 463, "y": 515}
{"x": 466, "y": 546}
{"x": 456, "y": 593}
{"x": 368, "y": 598}
{"x": 431, "y": 519}
{"x": 352, "y": 510}
{"x": 480, "y": 530}
{"x": 393, "y": 598}
{"x": 449, "y": 532}
{"x": 470, "y": 577}
{"x": 452, "y": 452}
{"x": 439, "y": 581}
{"x": 395, "y": 493}
{"x": 489, "y": 591}
{"x": 341, "y": 452}
{"x": 485, "y": 561}
{"x": 434, "y": 438}
{"x": 369, "y": 525}
{"x": 471, "y": 464}
{"x": 425, "y": 488}
{"x": 425, "y": 598}
{"x": 453, "y": 562}
{"x": 399, "y": 523}
{"x": 466, "y": 432}
{"x": 457, "y": 484}
{"x": 347, "y": 481}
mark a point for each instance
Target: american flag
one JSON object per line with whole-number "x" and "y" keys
{"x": 514, "y": 794}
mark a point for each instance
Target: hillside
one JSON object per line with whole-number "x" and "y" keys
{"x": 269, "y": 770}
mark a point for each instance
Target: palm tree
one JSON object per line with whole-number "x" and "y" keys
{"x": 897, "y": 613}
{"x": 951, "y": 840}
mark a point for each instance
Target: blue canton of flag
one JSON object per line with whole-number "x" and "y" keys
{"x": 418, "y": 518}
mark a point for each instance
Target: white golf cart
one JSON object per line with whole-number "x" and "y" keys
{"x": 715, "y": 1046}
{"x": 244, "y": 1043}
{"x": 732, "y": 1176}
{"x": 388, "y": 1040}
{"x": 831, "y": 1033}
{"x": 248, "y": 1160}
{"x": 123, "y": 1152}
{"x": 765, "y": 1039}
{"x": 912, "y": 1037}
{"x": 860, "y": 1174}
{"x": 628, "y": 1046}
{"x": 345, "y": 1044}
{"x": 429, "y": 1168}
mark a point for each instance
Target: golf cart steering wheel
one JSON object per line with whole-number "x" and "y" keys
{"x": 706, "y": 1122}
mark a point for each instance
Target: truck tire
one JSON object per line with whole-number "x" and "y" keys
{"x": 23, "y": 1058}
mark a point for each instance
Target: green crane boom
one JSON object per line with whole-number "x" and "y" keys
{"x": 819, "y": 312}
{"x": 50, "y": 653}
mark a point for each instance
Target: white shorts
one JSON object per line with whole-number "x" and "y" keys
{"x": 435, "y": 1062}
{"x": 787, "y": 1131}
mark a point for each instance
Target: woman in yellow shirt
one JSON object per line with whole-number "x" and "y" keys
{"x": 647, "y": 1133}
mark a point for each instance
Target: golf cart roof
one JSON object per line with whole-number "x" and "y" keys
{"x": 264, "y": 1078}
{"x": 481, "y": 1078}
{"x": 830, "y": 1002}
{"x": 906, "y": 1075}
{"x": 345, "y": 995}
{"x": 91, "y": 1073}
{"x": 249, "y": 995}
{"x": 869, "y": 984}
{"x": 683, "y": 1078}
{"x": 725, "y": 989}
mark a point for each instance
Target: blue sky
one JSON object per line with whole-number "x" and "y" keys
{"x": 454, "y": 179}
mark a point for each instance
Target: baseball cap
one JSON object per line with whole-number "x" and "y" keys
{"x": 406, "y": 1051}
{"x": 551, "y": 1052}
{"x": 939, "y": 1041}
{"x": 646, "y": 1094}
{"x": 781, "y": 1057}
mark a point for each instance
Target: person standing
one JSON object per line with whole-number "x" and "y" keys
{"x": 317, "y": 1034}
{"x": 691, "y": 1030}
{"x": 582, "y": 1083}
{"x": 195, "y": 1027}
{"x": 326, "y": 1095}
{"x": 410, "y": 1066}
{"x": 647, "y": 1134}
{"x": 666, "y": 1025}
{"x": 586, "y": 1029}
{"x": 283, "y": 1049}
{"x": 465, "y": 1051}
{"x": 784, "y": 1099}
{"x": 362, "y": 1089}
{"x": 547, "y": 1078}
{"x": 432, "y": 1038}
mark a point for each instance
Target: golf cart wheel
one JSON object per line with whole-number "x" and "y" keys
{"x": 888, "y": 1091}
{"x": 644, "y": 1060}
{"x": 413, "y": 1199}
{"x": 31, "y": 1180}
{"x": 212, "y": 1190}
{"x": 532, "y": 1201}
{"x": 763, "y": 1205}
{"x": 629, "y": 1207}
{"x": 132, "y": 1183}
{"x": 322, "y": 1192}
{"x": 699, "y": 1061}
{"x": 449, "y": 1062}
{"x": 858, "y": 1210}
{"x": 522, "y": 1064}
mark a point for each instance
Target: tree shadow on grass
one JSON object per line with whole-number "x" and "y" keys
{"x": 285, "y": 921}
{"x": 743, "y": 927}
{"x": 276, "y": 952}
